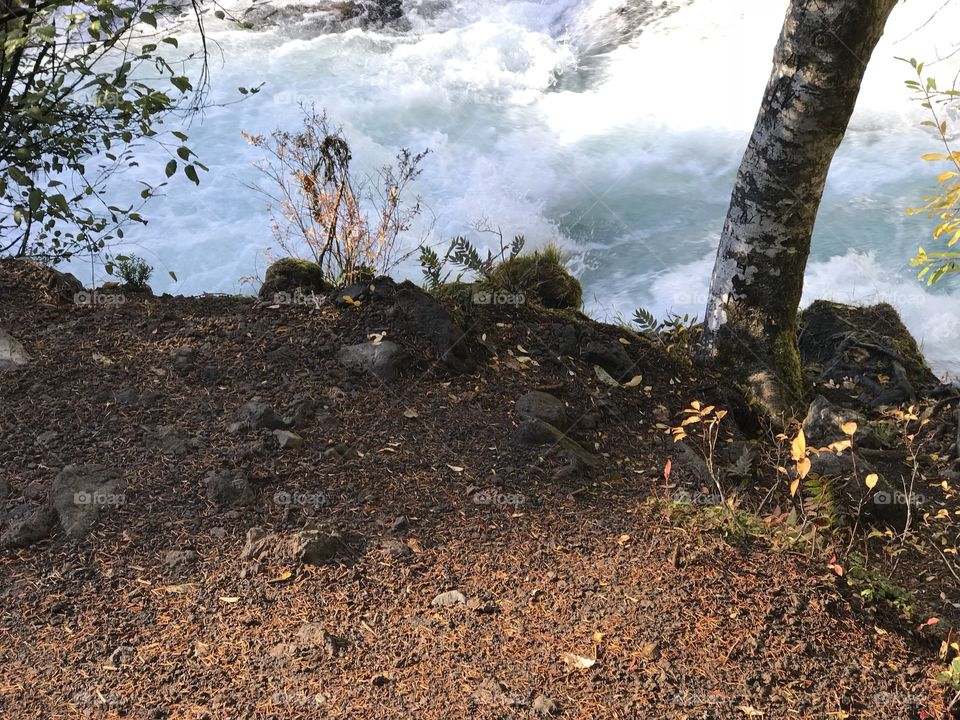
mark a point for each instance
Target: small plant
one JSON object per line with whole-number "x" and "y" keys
{"x": 349, "y": 227}
{"x": 944, "y": 204}
{"x": 675, "y": 333}
{"x": 950, "y": 677}
{"x": 462, "y": 254}
{"x": 708, "y": 419}
{"x": 133, "y": 270}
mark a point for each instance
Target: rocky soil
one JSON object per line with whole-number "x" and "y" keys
{"x": 362, "y": 505}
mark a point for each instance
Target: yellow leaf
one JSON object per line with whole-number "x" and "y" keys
{"x": 623, "y": 539}
{"x": 283, "y": 577}
{"x": 411, "y": 413}
{"x": 690, "y": 420}
{"x": 803, "y": 467}
{"x": 230, "y": 600}
{"x": 695, "y": 404}
{"x": 455, "y": 468}
{"x": 849, "y": 428}
{"x": 871, "y": 480}
{"x": 839, "y": 446}
{"x": 933, "y": 157}
{"x": 637, "y": 379}
{"x": 623, "y": 341}
{"x": 798, "y": 449}
{"x": 597, "y": 637}
{"x": 793, "y": 487}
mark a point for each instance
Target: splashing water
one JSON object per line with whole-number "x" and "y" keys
{"x": 616, "y": 134}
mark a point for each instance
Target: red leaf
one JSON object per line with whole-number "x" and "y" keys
{"x": 667, "y": 469}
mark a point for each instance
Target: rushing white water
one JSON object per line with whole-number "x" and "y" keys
{"x": 553, "y": 119}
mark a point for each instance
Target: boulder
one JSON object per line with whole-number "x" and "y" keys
{"x": 80, "y": 493}
{"x": 415, "y": 314}
{"x": 868, "y": 344}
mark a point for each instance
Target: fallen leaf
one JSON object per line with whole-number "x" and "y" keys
{"x": 230, "y": 600}
{"x": 455, "y": 468}
{"x": 849, "y": 428}
{"x": 577, "y": 661}
{"x": 623, "y": 539}
{"x": 750, "y": 711}
{"x": 411, "y": 413}
{"x": 605, "y": 377}
{"x": 633, "y": 382}
{"x": 283, "y": 577}
{"x": 623, "y": 341}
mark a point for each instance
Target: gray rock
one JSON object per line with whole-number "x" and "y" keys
{"x": 258, "y": 415}
{"x": 225, "y": 489}
{"x": 288, "y": 440}
{"x": 538, "y": 405}
{"x": 80, "y": 493}
{"x": 544, "y": 706}
{"x": 184, "y": 357}
{"x": 171, "y": 440}
{"x": 309, "y": 547}
{"x": 176, "y": 558}
{"x": 45, "y": 438}
{"x": 449, "y": 599}
{"x": 395, "y": 549}
{"x": 535, "y": 433}
{"x": 824, "y": 419}
{"x": 385, "y": 360}
{"x": 28, "y": 529}
{"x": 127, "y": 396}
{"x": 12, "y": 353}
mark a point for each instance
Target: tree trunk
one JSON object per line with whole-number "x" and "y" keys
{"x": 751, "y": 318}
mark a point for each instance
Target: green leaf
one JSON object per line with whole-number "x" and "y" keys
{"x": 171, "y": 168}
{"x": 149, "y": 18}
{"x": 181, "y": 83}
{"x": 191, "y": 172}
{"x": 183, "y": 152}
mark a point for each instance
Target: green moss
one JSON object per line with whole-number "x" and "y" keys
{"x": 291, "y": 274}
{"x": 786, "y": 358}
{"x": 541, "y": 275}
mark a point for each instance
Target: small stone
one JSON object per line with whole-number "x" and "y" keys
{"x": 81, "y": 492}
{"x": 449, "y": 599}
{"x": 611, "y": 357}
{"x": 45, "y": 438}
{"x": 175, "y": 558}
{"x": 12, "y": 353}
{"x": 127, "y": 396}
{"x": 395, "y": 549}
{"x": 260, "y": 416}
{"x": 386, "y": 360}
{"x": 538, "y": 405}
{"x": 534, "y": 433}
{"x": 288, "y": 440}
{"x": 184, "y": 357}
{"x": 544, "y": 706}
{"x": 224, "y": 489}
{"x": 31, "y": 528}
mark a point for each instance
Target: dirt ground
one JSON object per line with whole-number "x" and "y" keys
{"x": 468, "y": 573}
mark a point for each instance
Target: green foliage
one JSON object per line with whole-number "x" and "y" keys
{"x": 81, "y": 87}
{"x": 675, "y": 332}
{"x": 951, "y": 675}
{"x": 134, "y": 271}
{"x": 944, "y": 204}
{"x": 875, "y": 587}
{"x": 465, "y": 259}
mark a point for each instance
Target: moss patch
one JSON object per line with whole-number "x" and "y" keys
{"x": 540, "y": 275}
{"x": 290, "y": 275}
